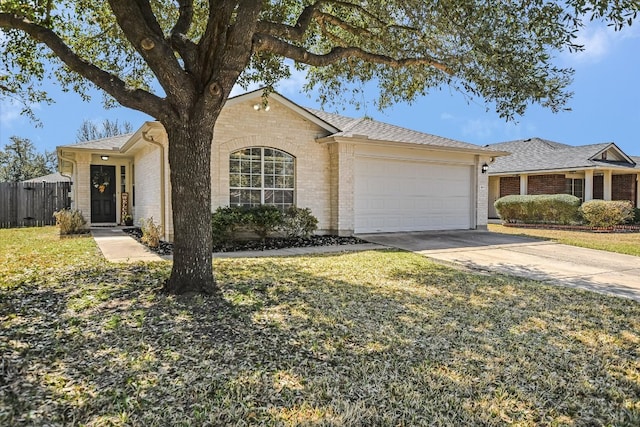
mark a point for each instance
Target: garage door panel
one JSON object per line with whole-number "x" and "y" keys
{"x": 395, "y": 195}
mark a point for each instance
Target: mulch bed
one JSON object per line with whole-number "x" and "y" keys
{"x": 585, "y": 228}
{"x": 166, "y": 248}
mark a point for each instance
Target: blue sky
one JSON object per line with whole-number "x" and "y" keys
{"x": 605, "y": 106}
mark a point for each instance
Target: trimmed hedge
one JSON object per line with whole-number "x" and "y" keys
{"x": 264, "y": 220}
{"x": 546, "y": 208}
{"x": 607, "y": 213}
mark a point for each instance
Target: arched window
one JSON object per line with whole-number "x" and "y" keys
{"x": 261, "y": 175}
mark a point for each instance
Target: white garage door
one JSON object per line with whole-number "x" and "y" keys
{"x": 397, "y": 195}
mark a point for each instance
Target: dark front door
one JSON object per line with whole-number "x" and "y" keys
{"x": 103, "y": 193}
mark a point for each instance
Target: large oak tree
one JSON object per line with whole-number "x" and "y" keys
{"x": 192, "y": 52}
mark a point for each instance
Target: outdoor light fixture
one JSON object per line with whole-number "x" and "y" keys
{"x": 104, "y": 157}
{"x": 485, "y": 168}
{"x": 258, "y": 107}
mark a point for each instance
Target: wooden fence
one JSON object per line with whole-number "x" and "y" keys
{"x": 31, "y": 204}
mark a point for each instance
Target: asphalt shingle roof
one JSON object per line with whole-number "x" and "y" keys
{"x": 536, "y": 154}
{"x": 373, "y": 129}
{"x": 110, "y": 143}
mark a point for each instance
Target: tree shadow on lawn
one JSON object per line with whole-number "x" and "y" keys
{"x": 377, "y": 338}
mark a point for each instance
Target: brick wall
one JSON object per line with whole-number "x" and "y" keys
{"x": 509, "y": 185}
{"x": 547, "y": 184}
{"x": 623, "y": 187}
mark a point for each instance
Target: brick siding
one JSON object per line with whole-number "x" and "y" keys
{"x": 509, "y": 185}
{"x": 547, "y": 184}
{"x": 623, "y": 187}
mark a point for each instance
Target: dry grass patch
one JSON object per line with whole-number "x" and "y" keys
{"x": 623, "y": 243}
{"x": 374, "y": 338}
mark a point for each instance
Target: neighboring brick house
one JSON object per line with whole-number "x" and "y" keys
{"x": 356, "y": 175}
{"x": 538, "y": 166}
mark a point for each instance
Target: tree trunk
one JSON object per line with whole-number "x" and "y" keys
{"x": 190, "y": 165}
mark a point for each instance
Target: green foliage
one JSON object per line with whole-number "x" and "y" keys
{"x": 551, "y": 208}
{"x": 150, "y": 232}
{"x": 607, "y": 213}
{"x": 19, "y": 161}
{"x": 70, "y": 221}
{"x": 263, "y": 220}
{"x": 500, "y": 51}
{"x": 225, "y": 222}
{"x": 298, "y": 222}
{"x": 636, "y": 216}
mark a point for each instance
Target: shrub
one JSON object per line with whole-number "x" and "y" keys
{"x": 70, "y": 221}
{"x": 150, "y": 232}
{"x": 545, "y": 208}
{"x": 264, "y": 219}
{"x": 225, "y": 222}
{"x": 298, "y": 222}
{"x": 606, "y": 213}
{"x": 636, "y": 216}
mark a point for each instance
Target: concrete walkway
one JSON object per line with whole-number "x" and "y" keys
{"x": 118, "y": 246}
{"x": 599, "y": 271}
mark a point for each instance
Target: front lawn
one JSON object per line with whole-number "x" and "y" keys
{"x": 623, "y": 243}
{"x": 361, "y": 339}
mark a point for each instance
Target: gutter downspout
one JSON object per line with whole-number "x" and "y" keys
{"x": 74, "y": 187}
{"x": 162, "y": 179}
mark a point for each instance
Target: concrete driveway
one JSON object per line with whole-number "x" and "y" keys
{"x": 599, "y": 271}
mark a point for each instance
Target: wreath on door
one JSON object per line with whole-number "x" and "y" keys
{"x": 101, "y": 180}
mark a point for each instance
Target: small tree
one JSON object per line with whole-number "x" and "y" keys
{"x": 20, "y": 161}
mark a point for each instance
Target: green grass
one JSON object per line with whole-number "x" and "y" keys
{"x": 623, "y": 243}
{"x": 360, "y": 339}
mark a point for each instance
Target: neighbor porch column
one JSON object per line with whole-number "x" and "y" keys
{"x": 638, "y": 191}
{"x": 588, "y": 185}
{"x": 524, "y": 184}
{"x": 607, "y": 185}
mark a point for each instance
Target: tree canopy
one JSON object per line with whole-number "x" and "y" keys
{"x": 89, "y": 130}
{"x": 20, "y": 161}
{"x": 178, "y": 60}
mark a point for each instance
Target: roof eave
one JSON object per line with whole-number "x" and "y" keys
{"x": 363, "y": 139}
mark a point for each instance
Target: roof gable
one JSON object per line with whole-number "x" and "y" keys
{"x": 536, "y": 154}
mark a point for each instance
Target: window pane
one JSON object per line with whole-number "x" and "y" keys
{"x": 269, "y": 167}
{"x": 288, "y": 197}
{"x": 256, "y": 181}
{"x": 245, "y": 167}
{"x": 268, "y": 197}
{"x": 268, "y": 181}
{"x": 234, "y": 180}
{"x": 234, "y": 166}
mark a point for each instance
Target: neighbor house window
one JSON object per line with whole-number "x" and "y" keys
{"x": 575, "y": 187}
{"x": 261, "y": 175}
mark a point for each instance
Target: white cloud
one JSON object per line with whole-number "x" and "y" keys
{"x": 598, "y": 41}
{"x": 11, "y": 111}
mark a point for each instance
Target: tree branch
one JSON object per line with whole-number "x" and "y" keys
{"x": 143, "y": 31}
{"x": 137, "y": 99}
{"x": 179, "y": 40}
{"x": 268, "y": 43}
